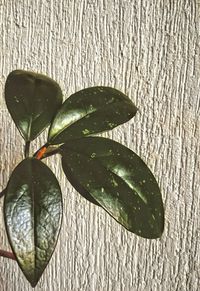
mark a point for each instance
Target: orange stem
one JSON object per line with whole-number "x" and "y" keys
{"x": 41, "y": 152}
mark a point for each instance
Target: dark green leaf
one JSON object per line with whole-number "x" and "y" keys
{"x": 33, "y": 212}
{"x": 32, "y": 100}
{"x": 75, "y": 183}
{"x": 119, "y": 181}
{"x": 90, "y": 111}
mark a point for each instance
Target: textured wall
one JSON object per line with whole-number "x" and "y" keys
{"x": 149, "y": 49}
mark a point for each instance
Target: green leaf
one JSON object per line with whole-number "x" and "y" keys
{"x": 90, "y": 111}
{"x": 32, "y": 213}
{"x": 119, "y": 181}
{"x": 75, "y": 183}
{"x": 32, "y": 100}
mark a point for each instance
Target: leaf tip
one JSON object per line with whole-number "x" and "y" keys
{"x": 33, "y": 284}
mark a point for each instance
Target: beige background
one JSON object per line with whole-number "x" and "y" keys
{"x": 149, "y": 49}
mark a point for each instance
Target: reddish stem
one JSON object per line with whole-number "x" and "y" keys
{"x": 41, "y": 153}
{"x": 8, "y": 255}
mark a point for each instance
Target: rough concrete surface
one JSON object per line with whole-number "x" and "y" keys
{"x": 150, "y": 50}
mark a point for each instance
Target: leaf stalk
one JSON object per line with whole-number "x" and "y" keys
{"x": 46, "y": 151}
{"x": 7, "y": 254}
{"x": 27, "y": 149}
{"x": 3, "y": 192}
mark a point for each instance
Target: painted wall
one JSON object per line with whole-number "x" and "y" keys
{"x": 149, "y": 49}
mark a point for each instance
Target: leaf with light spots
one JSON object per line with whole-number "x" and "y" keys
{"x": 32, "y": 213}
{"x": 118, "y": 180}
{"x": 90, "y": 111}
{"x": 32, "y": 100}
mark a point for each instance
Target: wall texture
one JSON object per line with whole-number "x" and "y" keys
{"x": 149, "y": 49}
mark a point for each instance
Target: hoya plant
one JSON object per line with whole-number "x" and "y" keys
{"x": 103, "y": 171}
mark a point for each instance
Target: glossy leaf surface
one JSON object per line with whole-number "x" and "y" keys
{"x": 32, "y": 100}
{"x": 90, "y": 111}
{"x": 32, "y": 212}
{"x": 119, "y": 181}
{"x": 77, "y": 185}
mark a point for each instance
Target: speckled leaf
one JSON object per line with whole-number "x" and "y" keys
{"x": 77, "y": 185}
{"x": 32, "y": 213}
{"x": 90, "y": 111}
{"x": 32, "y": 100}
{"x": 119, "y": 181}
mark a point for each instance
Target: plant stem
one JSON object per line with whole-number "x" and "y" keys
{"x": 50, "y": 153}
{"x": 7, "y": 254}
{"x": 26, "y": 149}
{"x": 39, "y": 155}
{"x": 38, "y": 152}
{"x": 3, "y": 192}
{"x": 46, "y": 151}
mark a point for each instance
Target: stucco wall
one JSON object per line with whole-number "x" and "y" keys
{"x": 149, "y": 49}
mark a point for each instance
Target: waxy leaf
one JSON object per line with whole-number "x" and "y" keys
{"x": 90, "y": 111}
{"x": 33, "y": 212}
{"x": 32, "y": 100}
{"x": 75, "y": 183}
{"x": 119, "y": 181}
